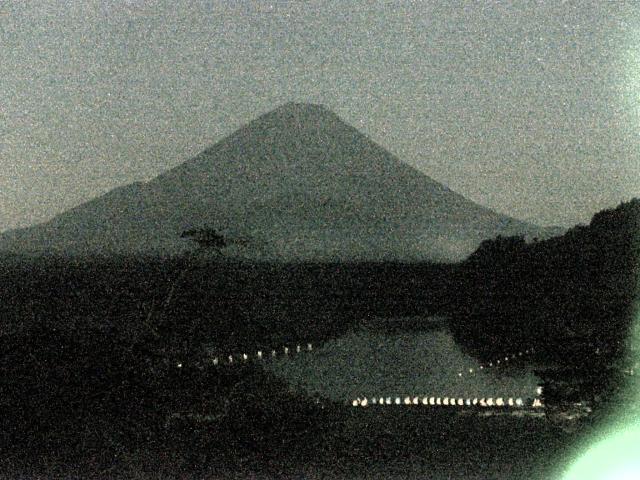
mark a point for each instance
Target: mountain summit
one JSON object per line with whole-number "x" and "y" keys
{"x": 300, "y": 182}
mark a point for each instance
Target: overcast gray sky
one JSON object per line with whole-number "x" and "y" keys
{"x": 530, "y": 109}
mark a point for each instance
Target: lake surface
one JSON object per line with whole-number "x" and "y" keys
{"x": 368, "y": 363}
{"x": 425, "y": 442}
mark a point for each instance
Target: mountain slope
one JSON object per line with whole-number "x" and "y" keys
{"x": 299, "y": 181}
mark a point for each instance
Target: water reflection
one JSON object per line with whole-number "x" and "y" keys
{"x": 372, "y": 363}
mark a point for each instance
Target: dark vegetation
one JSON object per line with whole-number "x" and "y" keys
{"x": 571, "y": 297}
{"x": 88, "y": 370}
{"x": 206, "y": 238}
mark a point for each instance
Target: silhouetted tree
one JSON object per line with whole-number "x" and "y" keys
{"x": 180, "y": 331}
{"x": 207, "y": 238}
{"x": 156, "y": 321}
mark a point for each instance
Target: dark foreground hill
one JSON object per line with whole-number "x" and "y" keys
{"x": 298, "y": 181}
{"x": 89, "y": 392}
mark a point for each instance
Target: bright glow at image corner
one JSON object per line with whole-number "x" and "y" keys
{"x": 615, "y": 458}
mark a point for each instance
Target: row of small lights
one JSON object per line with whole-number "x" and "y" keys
{"x": 260, "y": 355}
{"x": 536, "y": 402}
{"x": 497, "y": 362}
{"x": 446, "y": 401}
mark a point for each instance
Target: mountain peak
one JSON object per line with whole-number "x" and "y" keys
{"x": 297, "y": 179}
{"x": 300, "y": 106}
{"x": 302, "y": 111}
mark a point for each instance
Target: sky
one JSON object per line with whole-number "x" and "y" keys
{"x": 532, "y": 109}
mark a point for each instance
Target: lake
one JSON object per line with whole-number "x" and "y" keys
{"x": 370, "y": 363}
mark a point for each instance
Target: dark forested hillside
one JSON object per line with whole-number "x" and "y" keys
{"x": 571, "y": 296}
{"x": 198, "y": 299}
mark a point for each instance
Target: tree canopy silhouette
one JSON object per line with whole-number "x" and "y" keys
{"x": 207, "y": 238}
{"x": 570, "y": 296}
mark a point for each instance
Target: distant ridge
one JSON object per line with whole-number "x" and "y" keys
{"x": 300, "y": 182}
